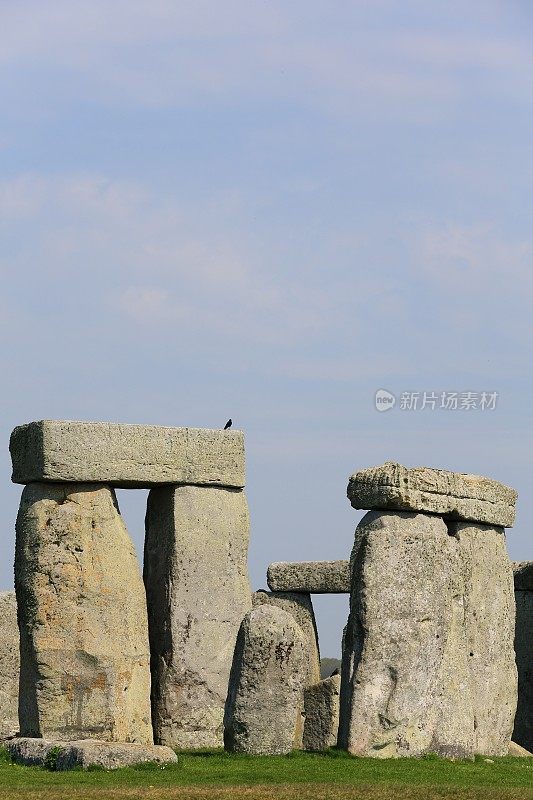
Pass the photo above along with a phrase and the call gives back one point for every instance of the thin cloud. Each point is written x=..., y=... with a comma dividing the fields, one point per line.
x=164, y=54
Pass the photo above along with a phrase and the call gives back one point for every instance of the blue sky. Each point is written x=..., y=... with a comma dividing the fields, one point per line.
x=269, y=210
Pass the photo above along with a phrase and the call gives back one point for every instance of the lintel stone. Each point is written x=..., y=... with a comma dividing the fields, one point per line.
x=126, y=456
x=314, y=577
x=452, y=495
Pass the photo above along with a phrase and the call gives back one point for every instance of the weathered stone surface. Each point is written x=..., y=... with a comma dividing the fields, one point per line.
x=405, y=674
x=9, y=665
x=126, y=455
x=517, y=751
x=196, y=577
x=321, y=707
x=82, y=616
x=523, y=724
x=523, y=576
x=428, y=661
x=315, y=577
x=489, y=619
x=265, y=699
x=86, y=753
x=453, y=495
x=300, y=606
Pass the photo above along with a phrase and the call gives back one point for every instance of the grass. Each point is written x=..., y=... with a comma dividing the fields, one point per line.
x=210, y=775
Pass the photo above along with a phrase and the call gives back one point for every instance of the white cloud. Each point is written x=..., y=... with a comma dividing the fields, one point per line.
x=145, y=256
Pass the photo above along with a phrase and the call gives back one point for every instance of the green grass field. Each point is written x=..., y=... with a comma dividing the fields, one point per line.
x=300, y=776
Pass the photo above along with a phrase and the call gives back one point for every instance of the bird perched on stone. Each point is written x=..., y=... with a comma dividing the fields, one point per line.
x=228, y=424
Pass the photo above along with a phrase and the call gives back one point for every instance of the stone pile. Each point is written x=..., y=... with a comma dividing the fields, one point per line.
x=89, y=629
x=428, y=661
x=311, y=722
x=315, y=726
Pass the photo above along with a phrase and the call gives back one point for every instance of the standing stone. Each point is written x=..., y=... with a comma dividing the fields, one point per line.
x=523, y=576
x=523, y=724
x=9, y=665
x=405, y=673
x=489, y=606
x=523, y=643
x=299, y=605
x=321, y=707
x=265, y=699
x=196, y=577
x=82, y=618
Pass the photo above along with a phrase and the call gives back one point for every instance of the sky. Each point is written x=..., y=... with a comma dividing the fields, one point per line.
x=269, y=211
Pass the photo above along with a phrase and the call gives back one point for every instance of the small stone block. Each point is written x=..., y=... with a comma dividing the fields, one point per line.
x=321, y=707
x=313, y=577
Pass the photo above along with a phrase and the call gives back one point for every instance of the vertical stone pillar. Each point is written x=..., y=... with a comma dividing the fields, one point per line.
x=82, y=618
x=196, y=577
x=523, y=643
x=9, y=665
x=489, y=624
x=405, y=677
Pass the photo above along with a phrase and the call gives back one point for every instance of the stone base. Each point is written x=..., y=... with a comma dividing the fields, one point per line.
x=86, y=753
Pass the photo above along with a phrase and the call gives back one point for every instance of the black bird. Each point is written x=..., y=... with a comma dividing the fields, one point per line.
x=228, y=425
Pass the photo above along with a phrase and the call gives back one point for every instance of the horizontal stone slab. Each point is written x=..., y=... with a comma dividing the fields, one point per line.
x=523, y=576
x=318, y=577
x=126, y=456
x=86, y=753
x=453, y=495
